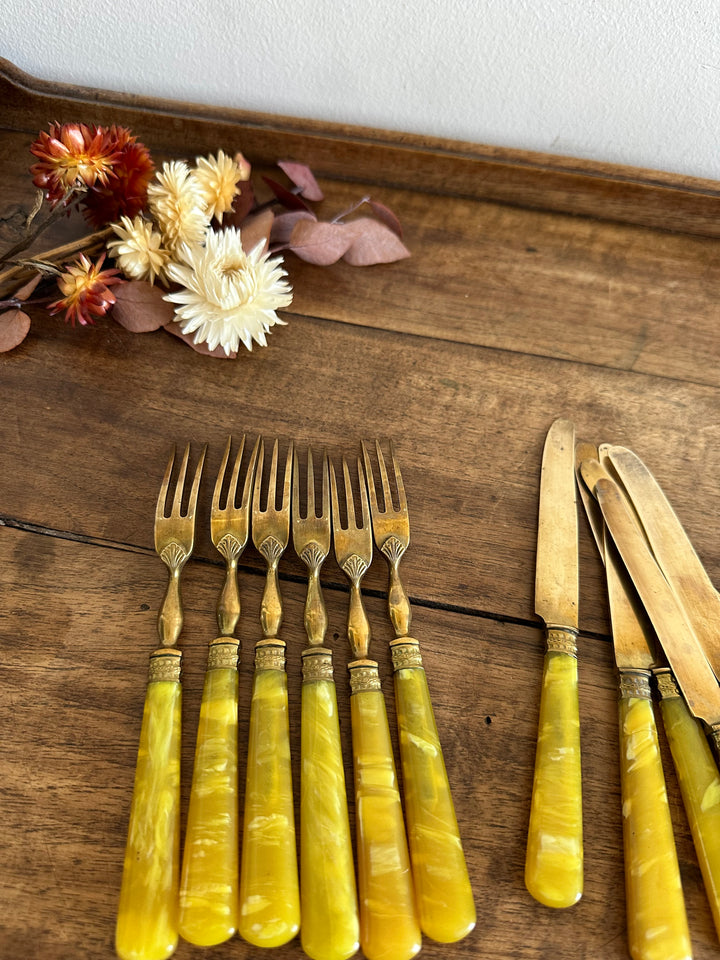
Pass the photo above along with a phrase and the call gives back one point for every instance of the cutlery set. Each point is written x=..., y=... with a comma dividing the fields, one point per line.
x=665, y=615
x=412, y=877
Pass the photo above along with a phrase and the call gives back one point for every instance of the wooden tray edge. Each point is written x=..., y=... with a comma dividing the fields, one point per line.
x=653, y=198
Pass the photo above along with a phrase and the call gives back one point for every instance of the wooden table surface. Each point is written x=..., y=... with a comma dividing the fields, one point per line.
x=537, y=288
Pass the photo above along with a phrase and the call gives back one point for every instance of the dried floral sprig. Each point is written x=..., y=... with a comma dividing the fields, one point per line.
x=196, y=229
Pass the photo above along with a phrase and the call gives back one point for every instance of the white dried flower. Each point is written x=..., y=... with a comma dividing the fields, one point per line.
x=228, y=295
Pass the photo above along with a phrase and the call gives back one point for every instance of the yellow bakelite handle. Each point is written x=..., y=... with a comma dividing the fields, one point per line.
x=389, y=928
x=209, y=879
x=700, y=787
x=656, y=919
x=554, y=862
x=442, y=886
x=269, y=888
x=147, y=923
x=330, y=926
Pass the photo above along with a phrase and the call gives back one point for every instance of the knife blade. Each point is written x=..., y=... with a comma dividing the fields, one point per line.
x=656, y=917
x=673, y=550
x=693, y=760
x=554, y=857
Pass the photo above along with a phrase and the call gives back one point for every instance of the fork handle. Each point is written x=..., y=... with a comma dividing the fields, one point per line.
x=554, y=860
x=656, y=919
x=442, y=885
x=147, y=922
x=389, y=928
x=209, y=877
x=699, y=781
x=269, y=888
x=328, y=904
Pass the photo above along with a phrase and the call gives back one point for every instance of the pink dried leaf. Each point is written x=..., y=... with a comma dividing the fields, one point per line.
x=286, y=197
x=284, y=224
x=320, y=243
x=372, y=242
x=14, y=327
x=242, y=206
x=140, y=308
x=387, y=216
x=302, y=176
x=27, y=288
x=257, y=230
x=176, y=331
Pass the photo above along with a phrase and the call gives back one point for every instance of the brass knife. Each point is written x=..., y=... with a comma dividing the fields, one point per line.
x=673, y=550
x=656, y=917
x=554, y=859
x=696, y=768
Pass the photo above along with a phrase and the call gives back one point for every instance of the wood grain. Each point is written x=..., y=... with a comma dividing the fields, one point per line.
x=536, y=289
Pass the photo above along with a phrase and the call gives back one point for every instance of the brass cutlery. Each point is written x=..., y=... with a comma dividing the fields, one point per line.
x=656, y=917
x=209, y=877
x=554, y=857
x=389, y=925
x=442, y=887
x=269, y=886
x=147, y=922
x=328, y=895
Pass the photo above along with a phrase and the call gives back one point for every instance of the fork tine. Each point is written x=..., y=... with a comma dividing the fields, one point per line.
x=221, y=476
x=162, y=495
x=177, y=499
x=402, y=499
x=364, y=506
x=192, y=504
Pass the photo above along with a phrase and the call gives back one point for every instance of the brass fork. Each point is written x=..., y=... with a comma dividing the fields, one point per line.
x=328, y=896
x=147, y=923
x=209, y=878
x=269, y=888
x=444, y=896
x=388, y=918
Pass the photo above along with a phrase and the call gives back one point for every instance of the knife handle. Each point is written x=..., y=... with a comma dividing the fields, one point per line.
x=656, y=918
x=328, y=895
x=147, y=922
x=554, y=861
x=389, y=928
x=209, y=877
x=269, y=889
x=697, y=775
x=442, y=885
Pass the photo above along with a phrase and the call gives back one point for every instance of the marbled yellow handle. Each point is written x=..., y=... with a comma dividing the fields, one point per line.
x=209, y=878
x=389, y=928
x=269, y=888
x=700, y=787
x=330, y=926
x=147, y=923
x=657, y=923
x=554, y=862
x=442, y=886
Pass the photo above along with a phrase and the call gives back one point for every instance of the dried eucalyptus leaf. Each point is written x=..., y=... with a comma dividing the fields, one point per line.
x=302, y=176
x=372, y=242
x=286, y=197
x=14, y=327
x=284, y=224
x=27, y=288
x=387, y=216
x=257, y=230
x=140, y=308
x=320, y=243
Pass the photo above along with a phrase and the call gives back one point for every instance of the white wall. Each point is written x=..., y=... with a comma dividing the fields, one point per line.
x=626, y=81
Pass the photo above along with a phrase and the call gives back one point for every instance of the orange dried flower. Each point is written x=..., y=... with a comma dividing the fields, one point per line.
x=125, y=193
x=85, y=294
x=72, y=155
